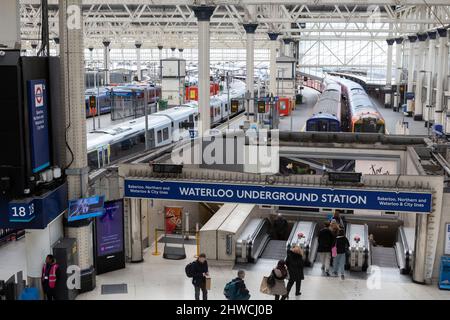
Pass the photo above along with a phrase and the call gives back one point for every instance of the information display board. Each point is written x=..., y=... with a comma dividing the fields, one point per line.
x=447, y=239
x=86, y=208
x=109, y=238
x=39, y=126
x=109, y=229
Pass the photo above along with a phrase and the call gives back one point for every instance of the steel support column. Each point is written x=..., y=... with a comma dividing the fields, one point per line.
x=138, y=45
x=250, y=29
x=398, y=71
x=418, y=110
x=411, y=66
x=106, y=60
x=441, y=75
x=273, y=36
x=388, y=97
x=428, y=114
x=203, y=14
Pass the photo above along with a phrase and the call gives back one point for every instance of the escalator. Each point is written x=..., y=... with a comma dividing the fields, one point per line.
x=305, y=235
x=360, y=255
x=400, y=255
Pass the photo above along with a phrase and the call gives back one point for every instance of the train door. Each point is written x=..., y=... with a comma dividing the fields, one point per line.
x=151, y=137
x=103, y=154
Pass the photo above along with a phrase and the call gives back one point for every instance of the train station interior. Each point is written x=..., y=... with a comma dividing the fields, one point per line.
x=284, y=142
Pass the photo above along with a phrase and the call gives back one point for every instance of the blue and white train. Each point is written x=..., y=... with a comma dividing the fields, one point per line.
x=107, y=146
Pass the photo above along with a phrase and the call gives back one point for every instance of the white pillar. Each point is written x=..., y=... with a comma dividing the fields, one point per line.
x=411, y=66
x=203, y=14
x=250, y=29
x=387, y=97
x=160, y=51
x=10, y=36
x=428, y=112
x=106, y=60
x=398, y=71
x=420, y=73
x=138, y=45
x=72, y=55
x=273, y=62
x=441, y=75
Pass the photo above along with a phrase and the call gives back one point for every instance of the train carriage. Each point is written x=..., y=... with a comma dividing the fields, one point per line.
x=327, y=111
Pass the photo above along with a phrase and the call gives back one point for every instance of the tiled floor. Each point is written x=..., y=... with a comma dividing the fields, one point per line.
x=12, y=259
x=161, y=279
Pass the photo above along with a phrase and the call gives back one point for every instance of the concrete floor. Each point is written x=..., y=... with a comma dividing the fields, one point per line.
x=160, y=279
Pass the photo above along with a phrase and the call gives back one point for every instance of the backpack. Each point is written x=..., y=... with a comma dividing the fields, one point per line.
x=189, y=269
x=230, y=290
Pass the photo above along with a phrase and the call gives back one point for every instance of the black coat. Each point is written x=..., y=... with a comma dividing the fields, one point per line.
x=294, y=263
x=342, y=244
x=199, y=269
x=326, y=240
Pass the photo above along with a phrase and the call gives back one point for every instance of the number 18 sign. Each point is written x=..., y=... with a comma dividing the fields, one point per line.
x=21, y=212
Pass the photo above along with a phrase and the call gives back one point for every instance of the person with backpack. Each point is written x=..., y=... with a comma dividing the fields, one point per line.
x=294, y=263
x=198, y=271
x=342, y=246
x=236, y=289
x=276, y=281
x=325, y=240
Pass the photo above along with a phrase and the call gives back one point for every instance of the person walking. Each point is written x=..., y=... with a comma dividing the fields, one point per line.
x=339, y=219
x=199, y=271
x=280, y=228
x=325, y=243
x=342, y=245
x=279, y=273
x=236, y=288
x=50, y=277
x=294, y=263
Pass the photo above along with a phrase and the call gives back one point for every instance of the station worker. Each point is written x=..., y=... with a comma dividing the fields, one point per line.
x=325, y=240
x=294, y=263
x=50, y=276
x=200, y=272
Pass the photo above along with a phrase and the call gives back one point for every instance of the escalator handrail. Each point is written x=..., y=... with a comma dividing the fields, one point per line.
x=404, y=241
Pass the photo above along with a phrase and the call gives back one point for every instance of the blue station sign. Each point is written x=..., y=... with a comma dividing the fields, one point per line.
x=416, y=202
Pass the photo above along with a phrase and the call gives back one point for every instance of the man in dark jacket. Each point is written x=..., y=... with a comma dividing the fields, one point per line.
x=294, y=263
x=280, y=228
x=241, y=291
x=325, y=240
x=200, y=273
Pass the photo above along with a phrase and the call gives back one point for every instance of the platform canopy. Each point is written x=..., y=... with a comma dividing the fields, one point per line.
x=173, y=23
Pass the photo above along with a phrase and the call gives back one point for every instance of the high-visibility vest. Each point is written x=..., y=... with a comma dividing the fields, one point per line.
x=51, y=275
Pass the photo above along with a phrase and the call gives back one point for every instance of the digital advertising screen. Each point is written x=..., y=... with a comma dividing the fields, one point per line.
x=86, y=208
x=109, y=229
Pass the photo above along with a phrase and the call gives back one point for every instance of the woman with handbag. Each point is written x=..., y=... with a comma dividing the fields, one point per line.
x=294, y=263
x=340, y=251
x=276, y=281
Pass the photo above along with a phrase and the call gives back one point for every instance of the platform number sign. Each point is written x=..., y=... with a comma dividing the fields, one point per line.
x=21, y=212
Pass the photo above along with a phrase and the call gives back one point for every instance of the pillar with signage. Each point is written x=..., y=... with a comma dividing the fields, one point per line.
x=411, y=67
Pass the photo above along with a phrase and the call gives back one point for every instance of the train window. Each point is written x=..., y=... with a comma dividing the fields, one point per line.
x=93, y=160
x=226, y=107
x=160, y=139
x=166, y=134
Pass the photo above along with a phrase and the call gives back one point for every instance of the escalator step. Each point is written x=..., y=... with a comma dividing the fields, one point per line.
x=384, y=257
x=275, y=249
